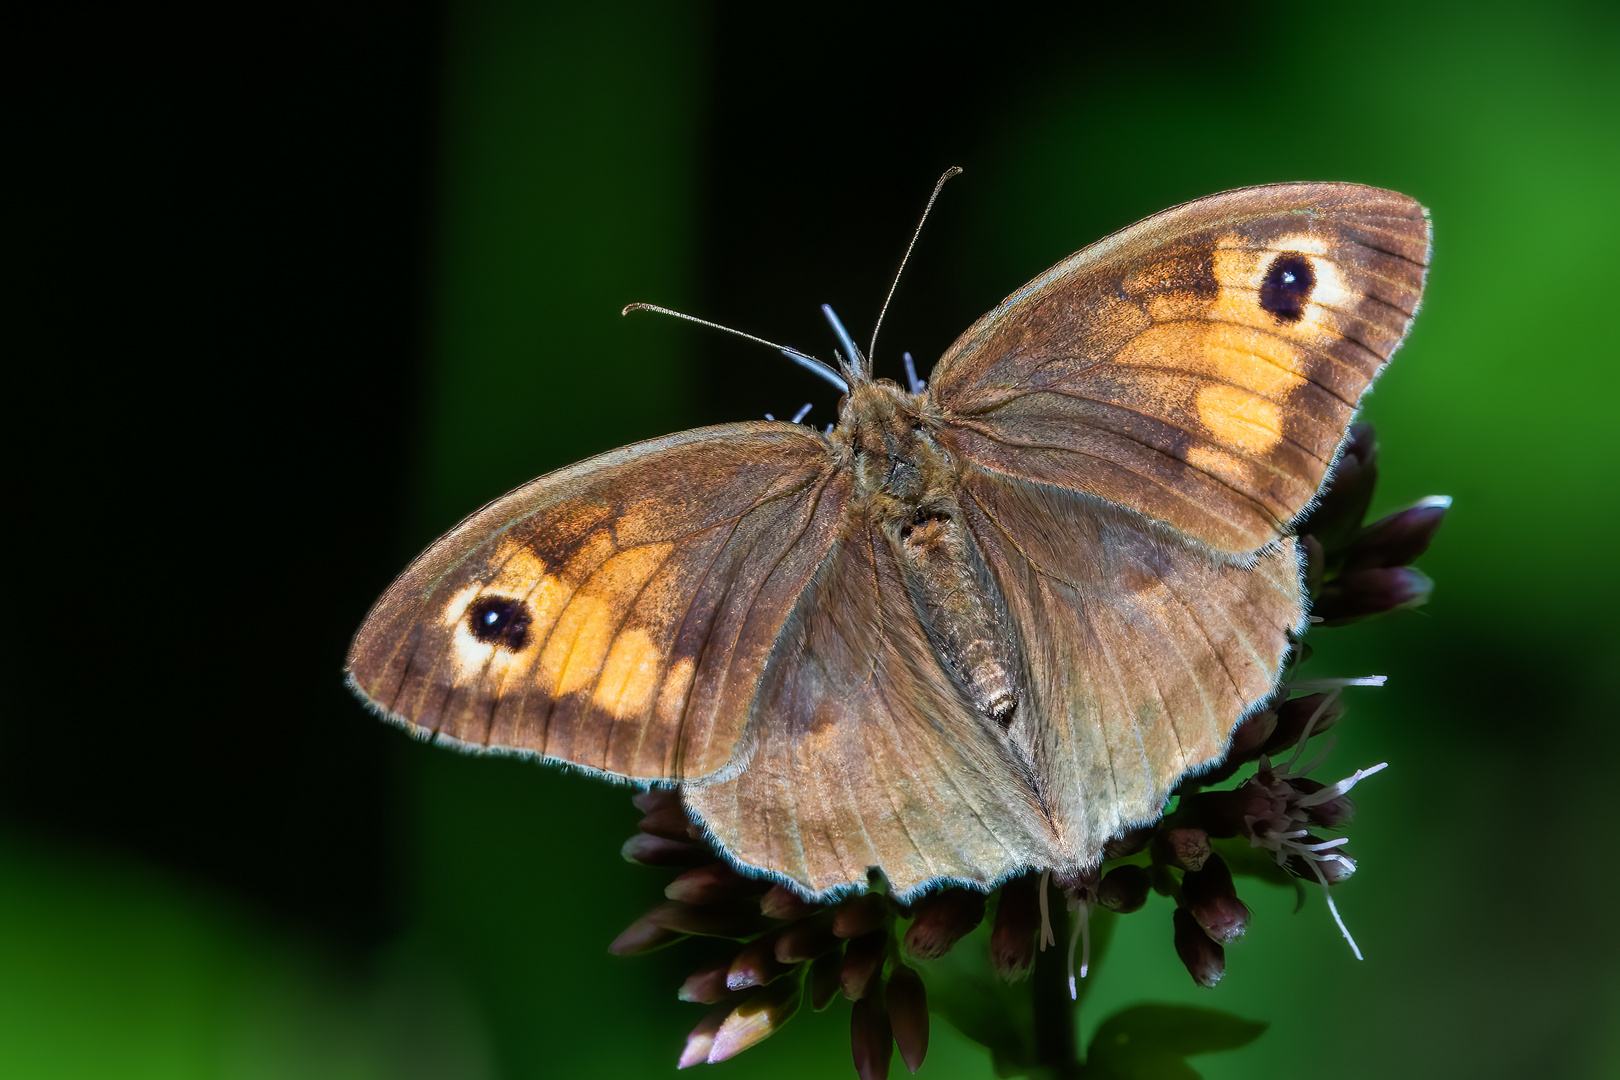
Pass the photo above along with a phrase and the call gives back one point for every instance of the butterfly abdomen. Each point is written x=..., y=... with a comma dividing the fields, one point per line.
x=908, y=481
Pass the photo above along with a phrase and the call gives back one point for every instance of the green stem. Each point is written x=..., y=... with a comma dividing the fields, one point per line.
x=1057, y=1015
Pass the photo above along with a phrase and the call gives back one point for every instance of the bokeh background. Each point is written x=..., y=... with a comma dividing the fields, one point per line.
x=298, y=285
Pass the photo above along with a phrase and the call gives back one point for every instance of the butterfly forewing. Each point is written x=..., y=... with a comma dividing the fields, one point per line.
x=617, y=614
x=1200, y=367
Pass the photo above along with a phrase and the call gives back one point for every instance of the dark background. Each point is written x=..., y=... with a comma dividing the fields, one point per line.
x=299, y=286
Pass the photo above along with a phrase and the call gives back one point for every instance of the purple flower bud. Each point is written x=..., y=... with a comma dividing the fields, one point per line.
x=1209, y=895
x=907, y=1004
x=1344, y=501
x=1227, y=813
x=1331, y=861
x=1251, y=735
x=1129, y=842
x=1183, y=848
x=1018, y=919
x=941, y=919
x=738, y=920
x=706, y=985
x=642, y=936
x=805, y=940
x=1293, y=715
x=1205, y=960
x=1328, y=813
x=1124, y=889
x=709, y=884
x=669, y=820
x=650, y=850
x=826, y=977
x=1372, y=591
x=755, y=1017
x=781, y=902
x=658, y=800
x=1315, y=558
x=1398, y=539
x=871, y=1039
x=756, y=965
x=860, y=915
x=863, y=963
x=701, y=1040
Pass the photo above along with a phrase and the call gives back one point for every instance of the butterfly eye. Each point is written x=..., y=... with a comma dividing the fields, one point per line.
x=1287, y=286
x=500, y=621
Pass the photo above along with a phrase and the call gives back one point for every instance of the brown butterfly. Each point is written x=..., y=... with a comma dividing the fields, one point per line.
x=975, y=628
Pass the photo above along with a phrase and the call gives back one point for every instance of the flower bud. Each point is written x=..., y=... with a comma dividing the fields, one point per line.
x=863, y=963
x=1372, y=591
x=709, y=884
x=1227, y=813
x=1204, y=959
x=738, y=920
x=860, y=915
x=643, y=935
x=1335, y=866
x=1398, y=539
x=1212, y=899
x=650, y=850
x=871, y=1039
x=1293, y=715
x=907, y=1005
x=756, y=965
x=1339, y=511
x=825, y=972
x=655, y=799
x=701, y=1040
x=1018, y=920
x=805, y=940
x=1314, y=556
x=1185, y=849
x=1247, y=742
x=781, y=902
x=669, y=820
x=1129, y=842
x=706, y=985
x=1124, y=889
x=1328, y=813
x=941, y=919
x=755, y=1017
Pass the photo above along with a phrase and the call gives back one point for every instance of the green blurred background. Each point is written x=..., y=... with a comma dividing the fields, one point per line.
x=304, y=284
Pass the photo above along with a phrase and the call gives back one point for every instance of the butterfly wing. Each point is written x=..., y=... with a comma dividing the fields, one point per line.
x=616, y=614
x=1141, y=649
x=1200, y=367
x=866, y=754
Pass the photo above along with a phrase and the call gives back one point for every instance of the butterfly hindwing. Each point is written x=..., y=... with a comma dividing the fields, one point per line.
x=1141, y=650
x=616, y=614
x=867, y=754
x=1200, y=367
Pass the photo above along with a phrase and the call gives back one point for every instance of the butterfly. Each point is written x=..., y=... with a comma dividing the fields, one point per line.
x=979, y=626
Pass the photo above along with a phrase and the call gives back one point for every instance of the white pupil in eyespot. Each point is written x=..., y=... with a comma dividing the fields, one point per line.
x=1288, y=277
x=491, y=618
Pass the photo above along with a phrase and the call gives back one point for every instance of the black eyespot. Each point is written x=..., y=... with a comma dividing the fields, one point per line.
x=1287, y=287
x=500, y=621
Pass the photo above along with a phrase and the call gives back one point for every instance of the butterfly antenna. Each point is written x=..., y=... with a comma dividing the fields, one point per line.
x=808, y=362
x=895, y=284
